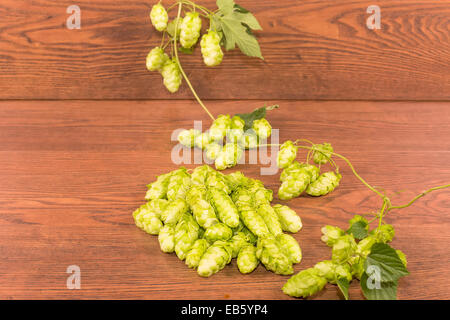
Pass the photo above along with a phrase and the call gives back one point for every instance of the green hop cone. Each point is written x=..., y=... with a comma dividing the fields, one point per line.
x=202, y=140
x=262, y=128
x=174, y=211
x=159, y=17
x=201, y=208
x=200, y=173
x=331, y=234
x=152, y=224
x=179, y=184
x=229, y=156
x=237, y=123
x=288, y=218
x=236, y=130
x=171, y=75
x=225, y=208
x=186, y=232
x=324, y=152
x=304, y=284
x=260, y=194
x=294, y=185
x=365, y=245
x=343, y=249
x=156, y=59
x=270, y=217
x=342, y=271
x=190, y=29
x=287, y=154
x=219, y=127
x=238, y=241
x=187, y=137
x=326, y=183
x=196, y=253
x=137, y=217
x=213, y=150
x=157, y=206
x=210, y=47
x=158, y=189
x=166, y=239
x=295, y=167
x=249, y=140
x=216, y=257
x=383, y=234
x=357, y=267
x=236, y=179
x=313, y=171
x=219, y=231
x=250, y=237
x=247, y=260
x=242, y=198
x=331, y=271
x=217, y=180
x=290, y=247
x=269, y=252
x=252, y=220
x=147, y=219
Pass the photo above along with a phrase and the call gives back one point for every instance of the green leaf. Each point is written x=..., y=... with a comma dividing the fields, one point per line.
x=236, y=24
x=343, y=285
x=256, y=114
x=186, y=50
x=238, y=8
x=225, y=6
x=358, y=230
x=386, y=290
x=171, y=27
x=386, y=259
x=247, y=19
x=233, y=29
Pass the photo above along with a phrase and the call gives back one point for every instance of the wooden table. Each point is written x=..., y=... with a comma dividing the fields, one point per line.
x=72, y=172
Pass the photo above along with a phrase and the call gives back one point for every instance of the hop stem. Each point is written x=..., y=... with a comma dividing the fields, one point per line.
x=386, y=207
x=180, y=5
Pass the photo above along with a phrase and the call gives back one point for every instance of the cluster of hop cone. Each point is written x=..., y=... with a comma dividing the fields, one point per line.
x=188, y=33
x=230, y=129
x=208, y=218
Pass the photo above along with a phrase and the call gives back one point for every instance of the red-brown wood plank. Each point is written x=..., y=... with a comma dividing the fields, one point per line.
x=312, y=49
x=72, y=172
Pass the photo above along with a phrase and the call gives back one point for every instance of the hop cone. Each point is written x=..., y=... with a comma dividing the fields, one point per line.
x=159, y=17
x=156, y=59
x=190, y=29
x=304, y=284
x=171, y=75
x=210, y=47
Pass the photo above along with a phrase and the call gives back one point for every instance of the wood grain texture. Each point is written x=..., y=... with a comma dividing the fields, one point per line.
x=72, y=172
x=312, y=49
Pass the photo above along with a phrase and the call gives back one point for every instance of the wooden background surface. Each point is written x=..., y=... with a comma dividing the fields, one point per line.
x=73, y=165
x=73, y=172
x=316, y=49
